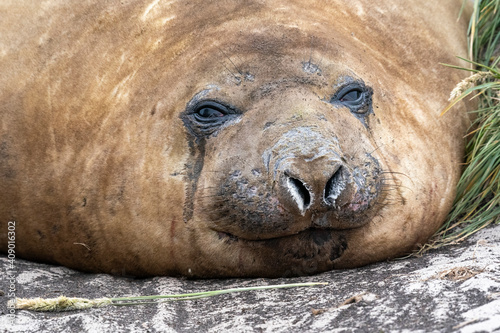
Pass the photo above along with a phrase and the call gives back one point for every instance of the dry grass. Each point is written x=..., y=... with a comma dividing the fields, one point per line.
x=458, y=273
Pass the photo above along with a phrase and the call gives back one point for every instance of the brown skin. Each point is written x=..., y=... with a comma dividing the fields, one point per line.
x=103, y=168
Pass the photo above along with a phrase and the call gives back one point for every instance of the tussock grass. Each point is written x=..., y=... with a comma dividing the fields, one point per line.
x=477, y=203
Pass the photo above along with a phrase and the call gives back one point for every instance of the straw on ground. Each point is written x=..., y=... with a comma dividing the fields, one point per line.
x=63, y=303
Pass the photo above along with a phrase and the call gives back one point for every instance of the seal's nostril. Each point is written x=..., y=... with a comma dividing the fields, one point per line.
x=299, y=193
x=334, y=186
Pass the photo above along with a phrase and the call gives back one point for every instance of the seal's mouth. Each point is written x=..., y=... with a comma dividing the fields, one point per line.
x=313, y=232
x=319, y=225
x=310, y=251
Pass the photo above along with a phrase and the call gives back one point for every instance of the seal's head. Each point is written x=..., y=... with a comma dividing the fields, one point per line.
x=250, y=139
x=309, y=154
x=283, y=175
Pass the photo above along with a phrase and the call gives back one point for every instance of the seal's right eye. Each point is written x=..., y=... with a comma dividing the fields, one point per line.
x=204, y=118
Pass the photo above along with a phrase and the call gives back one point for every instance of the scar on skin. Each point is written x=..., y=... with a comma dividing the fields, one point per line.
x=83, y=244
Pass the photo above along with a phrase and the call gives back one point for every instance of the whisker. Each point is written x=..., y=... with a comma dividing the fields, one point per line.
x=397, y=173
x=228, y=58
x=378, y=147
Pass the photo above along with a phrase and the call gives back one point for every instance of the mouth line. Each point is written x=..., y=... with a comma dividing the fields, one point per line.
x=232, y=237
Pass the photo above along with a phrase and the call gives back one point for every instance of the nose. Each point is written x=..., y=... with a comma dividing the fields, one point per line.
x=300, y=194
x=304, y=189
x=334, y=187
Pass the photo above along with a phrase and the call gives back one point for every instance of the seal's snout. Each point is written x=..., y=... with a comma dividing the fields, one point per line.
x=304, y=180
x=310, y=169
x=303, y=193
x=317, y=183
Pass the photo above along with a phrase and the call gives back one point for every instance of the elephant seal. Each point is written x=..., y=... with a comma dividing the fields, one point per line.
x=227, y=139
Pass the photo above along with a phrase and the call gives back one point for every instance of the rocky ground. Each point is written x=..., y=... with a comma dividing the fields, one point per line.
x=455, y=289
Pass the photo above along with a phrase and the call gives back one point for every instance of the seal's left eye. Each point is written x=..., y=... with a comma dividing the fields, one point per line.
x=210, y=111
x=352, y=97
x=356, y=96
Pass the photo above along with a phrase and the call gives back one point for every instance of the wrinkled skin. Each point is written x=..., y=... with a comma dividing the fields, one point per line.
x=227, y=138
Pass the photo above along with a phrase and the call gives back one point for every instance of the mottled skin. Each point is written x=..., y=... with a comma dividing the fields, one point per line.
x=104, y=165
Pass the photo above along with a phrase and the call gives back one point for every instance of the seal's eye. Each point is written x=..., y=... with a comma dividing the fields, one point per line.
x=210, y=111
x=352, y=97
x=206, y=117
x=356, y=96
